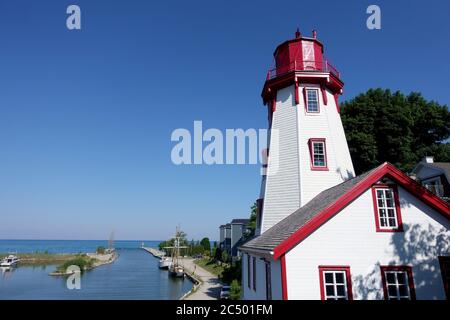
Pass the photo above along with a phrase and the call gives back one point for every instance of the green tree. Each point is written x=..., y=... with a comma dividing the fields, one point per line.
x=218, y=254
x=171, y=242
x=225, y=256
x=384, y=126
x=253, y=216
x=206, y=244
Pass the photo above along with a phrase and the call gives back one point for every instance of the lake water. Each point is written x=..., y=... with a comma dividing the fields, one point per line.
x=134, y=275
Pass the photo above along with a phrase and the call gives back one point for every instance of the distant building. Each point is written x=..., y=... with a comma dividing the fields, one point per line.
x=232, y=235
x=435, y=176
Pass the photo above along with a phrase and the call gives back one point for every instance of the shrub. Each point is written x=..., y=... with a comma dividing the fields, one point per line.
x=83, y=262
x=101, y=250
x=235, y=290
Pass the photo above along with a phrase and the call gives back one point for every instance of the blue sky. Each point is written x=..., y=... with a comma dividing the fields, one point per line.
x=86, y=116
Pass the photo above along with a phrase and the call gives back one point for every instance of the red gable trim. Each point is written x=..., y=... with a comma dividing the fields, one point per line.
x=386, y=169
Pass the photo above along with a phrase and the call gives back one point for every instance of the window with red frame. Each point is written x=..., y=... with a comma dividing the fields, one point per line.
x=335, y=283
x=397, y=283
x=312, y=101
x=318, y=150
x=445, y=271
x=387, y=208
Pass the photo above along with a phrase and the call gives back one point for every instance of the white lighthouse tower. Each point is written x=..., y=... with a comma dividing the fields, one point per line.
x=307, y=151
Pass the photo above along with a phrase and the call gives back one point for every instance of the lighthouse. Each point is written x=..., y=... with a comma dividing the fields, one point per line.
x=307, y=148
x=323, y=233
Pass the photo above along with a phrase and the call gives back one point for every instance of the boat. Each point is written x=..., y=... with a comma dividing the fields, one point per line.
x=10, y=261
x=165, y=263
x=176, y=269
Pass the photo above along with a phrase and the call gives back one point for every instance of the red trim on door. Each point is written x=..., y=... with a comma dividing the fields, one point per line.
x=397, y=208
x=445, y=277
x=408, y=269
x=283, y=277
x=311, y=154
x=348, y=279
x=386, y=169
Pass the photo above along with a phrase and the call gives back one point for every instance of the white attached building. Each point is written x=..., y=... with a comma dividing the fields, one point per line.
x=323, y=233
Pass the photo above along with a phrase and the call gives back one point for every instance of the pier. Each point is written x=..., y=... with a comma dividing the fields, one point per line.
x=154, y=252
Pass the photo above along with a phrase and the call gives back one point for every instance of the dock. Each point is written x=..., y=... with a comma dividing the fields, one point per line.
x=206, y=285
x=154, y=252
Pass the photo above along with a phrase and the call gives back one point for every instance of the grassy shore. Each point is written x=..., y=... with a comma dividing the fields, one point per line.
x=42, y=258
x=210, y=266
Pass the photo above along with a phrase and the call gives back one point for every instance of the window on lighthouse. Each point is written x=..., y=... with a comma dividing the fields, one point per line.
x=318, y=154
x=312, y=101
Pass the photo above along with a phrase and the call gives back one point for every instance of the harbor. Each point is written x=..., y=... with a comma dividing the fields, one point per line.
x=133, y=275
x=206, y=286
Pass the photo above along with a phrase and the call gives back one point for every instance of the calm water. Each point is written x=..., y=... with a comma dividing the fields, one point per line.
x=134, y=275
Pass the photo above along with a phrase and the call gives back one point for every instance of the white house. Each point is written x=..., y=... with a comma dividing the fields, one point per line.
x=323, y=233
x=435, y=176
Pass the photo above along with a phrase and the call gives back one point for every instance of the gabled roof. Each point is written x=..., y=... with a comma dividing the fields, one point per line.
x=294, y=228
x=240, y=221
x=444, y=166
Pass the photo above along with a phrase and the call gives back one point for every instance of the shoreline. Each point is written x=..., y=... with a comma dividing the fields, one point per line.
x=46, y=259
x=98, y=261
x=31, y=259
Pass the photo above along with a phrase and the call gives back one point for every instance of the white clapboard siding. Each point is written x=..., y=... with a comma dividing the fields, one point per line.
x=350, y=239
x=282, y=193
x=260, y=293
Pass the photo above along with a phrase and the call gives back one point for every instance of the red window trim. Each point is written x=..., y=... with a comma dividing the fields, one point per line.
x=397, y=208
x=408, y=269
x=305, y=92
x=336, y=268
x=311, y=154
x=442, y=260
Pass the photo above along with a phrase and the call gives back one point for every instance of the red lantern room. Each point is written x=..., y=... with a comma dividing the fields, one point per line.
x=301, y=60
x=299, y=54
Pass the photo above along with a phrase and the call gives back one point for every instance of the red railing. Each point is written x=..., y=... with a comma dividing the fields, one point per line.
x=305, y=65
